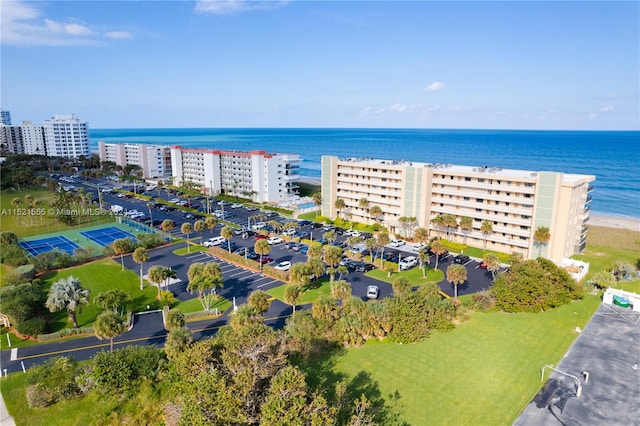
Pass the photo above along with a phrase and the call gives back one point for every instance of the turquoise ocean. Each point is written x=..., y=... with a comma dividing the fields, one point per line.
x=612, y=156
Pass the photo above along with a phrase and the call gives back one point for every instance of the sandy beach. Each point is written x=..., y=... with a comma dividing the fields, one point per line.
x=610, y=221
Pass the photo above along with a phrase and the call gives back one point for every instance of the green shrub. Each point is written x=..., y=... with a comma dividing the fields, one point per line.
x=65, y=333
x=485, y=300
x=150, y=240
x=27, y=271
x=454, y=247
x=53, y=381
x=13, y=278
x=12, y=255
x=122, y=370
x=32, y=327
x=20, y=302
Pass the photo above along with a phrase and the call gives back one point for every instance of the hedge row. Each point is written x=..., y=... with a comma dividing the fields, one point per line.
x=65, y=333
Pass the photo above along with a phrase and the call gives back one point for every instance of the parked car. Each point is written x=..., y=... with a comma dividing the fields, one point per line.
x=408, y=262
x=251, y=208
x=166, y=208
x=372, y=292
x=215, y=241
x=283, y=266
x=275, y=240
x=364, y=267
x=236, y=205
x=304, y=222
x=259, y=225
x=290, y=232
x=461, y=258
x=303, y=235
x=261, y=237
x=304, y=249
x=397, y=243
x=265, y=260
x=419, y=246
x=482, y=265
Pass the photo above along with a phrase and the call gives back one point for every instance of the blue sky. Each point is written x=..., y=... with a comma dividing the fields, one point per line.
x=420, y=64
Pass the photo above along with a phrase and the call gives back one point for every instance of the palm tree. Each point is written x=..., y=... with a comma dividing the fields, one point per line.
x=325, y=308
x=492, y=262
x=466, y=225
x=315, y=266
x=363, y=203
x=156, y=276
x=167, y=274
x=292, y=294
x=28, y=200
x=330, y=236
x=211, y=222
x=15, y=202
x=421, y=235
x=314, y=251
x=340, y=205
x=259, y=299
x=199, y=226
x=111, y=299
x=456, y=274
x=121, y=247
x=383, y=239
x=261, y=247
x=141, y=255
x=438, y=222
x=401, y=286
x=67, y=293
x=438, y=249
x=168, y=225
x=541, y=237
x=108, y=325
x=340, y=290
x=376, y=213
x=203, y=278
x=486, y=228
x=450, y=223
x=187, y=229
x=332, y=256
x=317, y=200
x=423, y=257
x=299, y=273
x=227, y=233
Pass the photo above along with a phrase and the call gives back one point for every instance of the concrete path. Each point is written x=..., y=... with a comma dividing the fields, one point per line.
x=5, y=418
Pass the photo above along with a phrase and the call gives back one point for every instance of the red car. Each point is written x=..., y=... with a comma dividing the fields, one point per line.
x=483, y=265
x=261, y=237
x=265, y=259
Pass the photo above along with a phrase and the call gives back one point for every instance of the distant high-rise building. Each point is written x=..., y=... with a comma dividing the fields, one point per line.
x=26, y=138
x=66, y=136
x=11, y=139
x=5, y=117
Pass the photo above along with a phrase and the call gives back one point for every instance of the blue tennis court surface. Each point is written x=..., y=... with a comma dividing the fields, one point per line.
x=35, y=247
x=105, y=236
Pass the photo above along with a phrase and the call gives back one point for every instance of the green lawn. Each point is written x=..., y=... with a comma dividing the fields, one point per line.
x=194, y=305
x=484, y=372
x=99, y=276
x=311, y=291
x=194, y=248
x=414, y=275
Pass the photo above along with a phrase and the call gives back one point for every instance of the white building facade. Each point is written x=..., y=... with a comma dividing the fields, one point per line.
x=258, y=175
x=66, y=136
x=26, y=138
x=153, y=160
x=514, y=202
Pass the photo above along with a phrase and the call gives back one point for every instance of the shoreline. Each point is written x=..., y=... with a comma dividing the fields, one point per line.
x=595, y=219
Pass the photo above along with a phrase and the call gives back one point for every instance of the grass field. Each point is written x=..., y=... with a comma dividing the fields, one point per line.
x=311, y=291
x=414, y=275
x=194, y=305
x=99, y=276
x=482, y=373
x=25, y=226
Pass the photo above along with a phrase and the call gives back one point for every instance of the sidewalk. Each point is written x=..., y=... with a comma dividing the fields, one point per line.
x=5, y=418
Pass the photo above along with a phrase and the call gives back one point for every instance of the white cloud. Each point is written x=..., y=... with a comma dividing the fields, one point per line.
x=120, y=35
x=607, y=108
x=398, y=108
x=592, y=116
x=23, y=24
x=436, y=85
x=234, y=7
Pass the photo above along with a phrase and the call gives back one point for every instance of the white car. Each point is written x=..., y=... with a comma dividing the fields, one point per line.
x=258, y=226
x=408, y=262
x=352, y=233
x=275, y=240
x=290, y=232
x=419, y=246
x=397, y=243
x=283, y=266
x=182, y=203
x=215, y=241
x=236, y=205
x=372, y=292
x=174, y=200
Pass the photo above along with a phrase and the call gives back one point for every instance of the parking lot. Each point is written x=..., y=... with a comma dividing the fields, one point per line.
x=478, y=279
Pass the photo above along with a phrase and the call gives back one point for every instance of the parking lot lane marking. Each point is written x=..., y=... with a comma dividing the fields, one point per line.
x=14, y=354
x=242, y=272
x=266, y=284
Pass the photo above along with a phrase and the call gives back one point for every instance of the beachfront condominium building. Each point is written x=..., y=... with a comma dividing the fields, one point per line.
x=66, y=136
x=5, y=117
x=154, y=160
x=26, y=138
x=258, y=175
x=511, y=204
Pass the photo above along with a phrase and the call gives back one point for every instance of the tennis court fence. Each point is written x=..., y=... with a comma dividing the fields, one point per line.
x=143, y=227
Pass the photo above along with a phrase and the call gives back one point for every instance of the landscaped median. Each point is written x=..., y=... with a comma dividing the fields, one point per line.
x=414, y=275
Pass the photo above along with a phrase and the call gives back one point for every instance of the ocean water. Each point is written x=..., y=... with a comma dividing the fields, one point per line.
x=612, y=156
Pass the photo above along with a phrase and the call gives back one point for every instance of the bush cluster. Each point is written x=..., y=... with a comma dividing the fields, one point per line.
x=32, y=327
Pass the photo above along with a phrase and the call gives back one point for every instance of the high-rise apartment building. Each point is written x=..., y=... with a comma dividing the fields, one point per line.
x=153, y=160
x=66, y=136
x=514, y=202
x=261, y=176
x=26, y=138
x=5, y=117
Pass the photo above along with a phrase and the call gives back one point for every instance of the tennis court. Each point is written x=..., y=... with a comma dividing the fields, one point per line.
x=43, y=245
x=105, y=236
